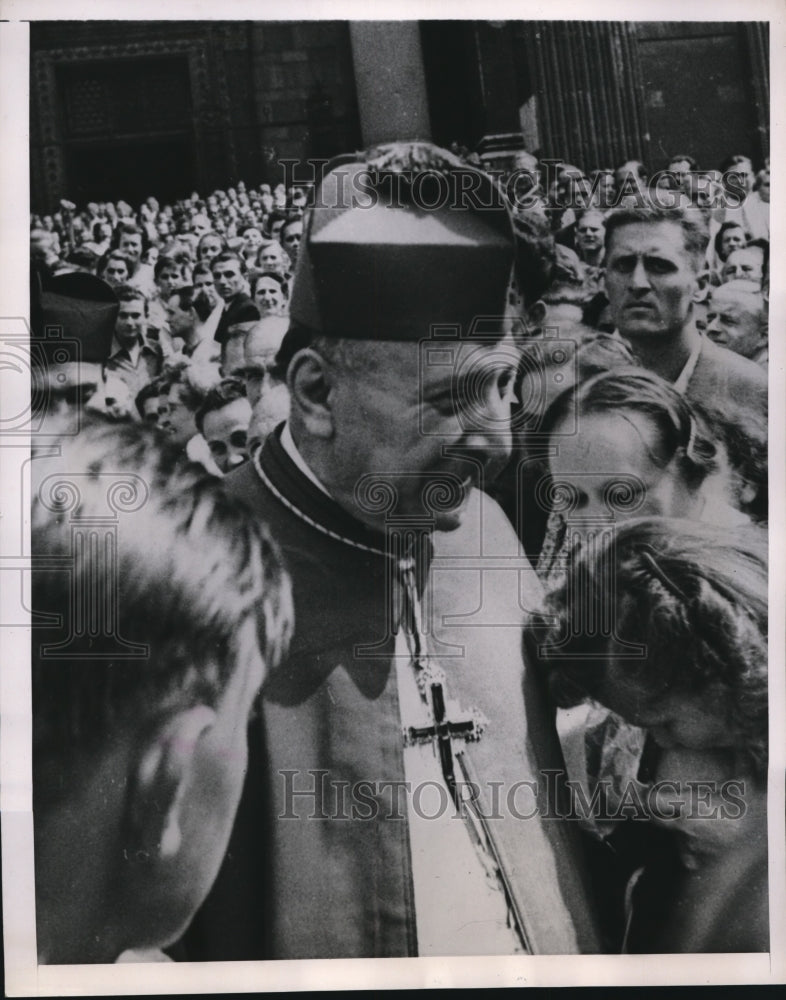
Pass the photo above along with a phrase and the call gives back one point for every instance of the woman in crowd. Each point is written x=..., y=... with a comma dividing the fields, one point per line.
x=627, y=444
x=270, y=291
x=685, y=658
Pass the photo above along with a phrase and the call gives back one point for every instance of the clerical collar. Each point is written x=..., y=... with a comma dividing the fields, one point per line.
x=289, y=446
x=297, y=489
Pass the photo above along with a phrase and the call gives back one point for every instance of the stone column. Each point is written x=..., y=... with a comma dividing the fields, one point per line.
x=390, y=81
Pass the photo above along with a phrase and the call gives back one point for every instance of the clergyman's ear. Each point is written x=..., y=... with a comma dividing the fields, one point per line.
x=310, y=380
x=161, y=780
x=536, y=313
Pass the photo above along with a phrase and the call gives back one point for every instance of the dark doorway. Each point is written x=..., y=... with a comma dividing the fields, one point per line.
x=127, y=129
x=131, y=170
x=697, y=91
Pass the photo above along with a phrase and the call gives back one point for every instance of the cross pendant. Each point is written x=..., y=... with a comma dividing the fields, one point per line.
x=444, y=731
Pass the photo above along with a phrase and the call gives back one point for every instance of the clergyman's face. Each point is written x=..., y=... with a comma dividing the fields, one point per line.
x=398, y=419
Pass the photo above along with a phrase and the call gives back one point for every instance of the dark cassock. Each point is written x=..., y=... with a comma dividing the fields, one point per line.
x=400, y=797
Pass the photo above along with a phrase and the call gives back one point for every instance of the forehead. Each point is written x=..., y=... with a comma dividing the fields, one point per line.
x=221, y=423
x=228, y=267
x=131, y=238
x=734, y=300
x=132, y=306
x=747, y=255
x=662, y=237
x=614, y=438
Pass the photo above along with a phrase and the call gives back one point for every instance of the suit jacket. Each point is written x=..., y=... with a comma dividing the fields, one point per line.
x=240, y=309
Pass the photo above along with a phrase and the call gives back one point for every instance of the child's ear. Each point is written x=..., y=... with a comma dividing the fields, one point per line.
x=161, y=779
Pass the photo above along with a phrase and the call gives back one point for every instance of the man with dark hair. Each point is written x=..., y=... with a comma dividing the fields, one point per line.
x=290, y=236
x=134, y=242
x=193, y=341
x=146, y=402
x=139, y=735
x=183, y=389
x=653, y=259
x=223, y=419
x=400, y=408
x=115, y=268
x=134, y=356
x=683, y=166
x=240, y=310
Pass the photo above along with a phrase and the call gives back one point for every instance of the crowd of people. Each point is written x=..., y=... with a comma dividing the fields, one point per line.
x=331, y=479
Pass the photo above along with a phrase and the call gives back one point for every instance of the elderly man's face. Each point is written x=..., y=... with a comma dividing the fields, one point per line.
x=650, y=279
x=747, y=264
x=428, y=423
x=735, y=318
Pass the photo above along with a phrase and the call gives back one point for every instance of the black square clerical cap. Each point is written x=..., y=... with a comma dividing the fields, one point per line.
x=399, y=240
x=74, y=307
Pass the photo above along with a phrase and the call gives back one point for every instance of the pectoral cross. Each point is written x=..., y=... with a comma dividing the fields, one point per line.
x=444, y=732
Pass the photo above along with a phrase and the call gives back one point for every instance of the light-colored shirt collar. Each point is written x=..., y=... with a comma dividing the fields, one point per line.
x=132, y=351
x=289, y=446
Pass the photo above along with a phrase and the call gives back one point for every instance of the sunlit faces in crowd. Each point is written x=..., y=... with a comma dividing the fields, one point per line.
x=737, y=317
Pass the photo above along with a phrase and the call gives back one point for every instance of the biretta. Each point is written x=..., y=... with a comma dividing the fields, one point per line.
x=398, y=240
